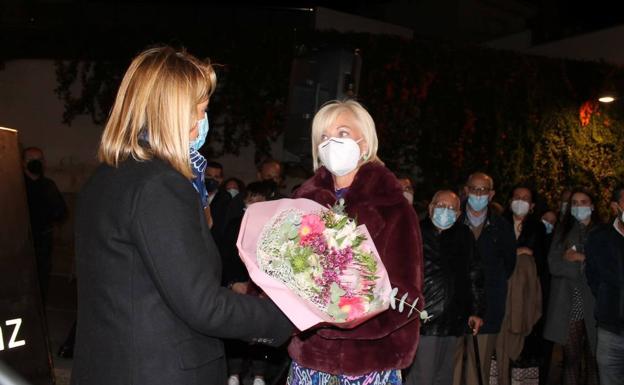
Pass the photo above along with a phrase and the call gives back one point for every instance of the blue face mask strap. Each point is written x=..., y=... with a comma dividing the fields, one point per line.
x=203, y=127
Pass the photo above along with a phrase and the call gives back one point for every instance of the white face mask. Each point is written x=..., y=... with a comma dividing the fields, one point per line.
x=339, y=155
x=520, y=207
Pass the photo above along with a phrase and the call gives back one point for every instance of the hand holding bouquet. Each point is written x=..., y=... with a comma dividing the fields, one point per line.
x=315, y=263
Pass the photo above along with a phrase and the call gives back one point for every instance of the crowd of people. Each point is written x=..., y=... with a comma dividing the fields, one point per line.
x=161, y=286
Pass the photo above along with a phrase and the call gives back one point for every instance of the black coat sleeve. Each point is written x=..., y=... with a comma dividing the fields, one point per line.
x=509, y=246
x=475, y=271
x=175, y=244
x=233, y=267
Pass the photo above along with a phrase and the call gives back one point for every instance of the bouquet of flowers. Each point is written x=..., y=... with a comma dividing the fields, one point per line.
x=314, y=262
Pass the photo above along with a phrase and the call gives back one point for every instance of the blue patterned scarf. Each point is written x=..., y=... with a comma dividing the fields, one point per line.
x=198, y=164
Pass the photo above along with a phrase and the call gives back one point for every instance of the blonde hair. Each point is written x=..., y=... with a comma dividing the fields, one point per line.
x=158, y=95
x=328, y=114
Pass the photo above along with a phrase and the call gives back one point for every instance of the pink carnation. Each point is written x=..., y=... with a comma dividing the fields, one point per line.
x=311, y=224
x=353, y=306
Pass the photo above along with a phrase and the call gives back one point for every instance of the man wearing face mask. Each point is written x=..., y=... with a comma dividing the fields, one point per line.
x=272, y=170
x=496, y=244
x=46, y=207
x=605, y=275
x=453, y=290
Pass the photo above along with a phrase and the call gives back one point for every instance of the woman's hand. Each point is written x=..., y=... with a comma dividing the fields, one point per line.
x=240, y=287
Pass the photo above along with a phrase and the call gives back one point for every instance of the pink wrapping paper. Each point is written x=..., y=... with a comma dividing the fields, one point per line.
x=302, y=313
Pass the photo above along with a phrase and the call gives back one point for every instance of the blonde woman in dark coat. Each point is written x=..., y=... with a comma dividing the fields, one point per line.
x=151, y=309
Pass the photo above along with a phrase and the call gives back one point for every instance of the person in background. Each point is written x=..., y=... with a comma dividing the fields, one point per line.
x=151, y=307
x=238, y=353
x=570, y=314
x=453, y=290
x=564, y=202
x=496, y=244
x=530, y=240
x=271, y=169
x=234, y=186
x=218, y=199
x=549, y=219
x=344, y=152
x=604, y=269
x=408, y=188
x=46, y=208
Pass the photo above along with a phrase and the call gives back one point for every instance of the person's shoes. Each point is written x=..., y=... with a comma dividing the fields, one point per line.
x=259, y=381
x=233, y=380
x=66, y=351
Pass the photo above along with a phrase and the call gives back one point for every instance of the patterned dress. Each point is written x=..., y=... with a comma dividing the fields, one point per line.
x=299, y=375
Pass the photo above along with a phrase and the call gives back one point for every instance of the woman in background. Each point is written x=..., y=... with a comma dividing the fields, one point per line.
x=570, y=317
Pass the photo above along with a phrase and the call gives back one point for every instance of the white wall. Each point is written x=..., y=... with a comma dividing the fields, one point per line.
x=28, y=104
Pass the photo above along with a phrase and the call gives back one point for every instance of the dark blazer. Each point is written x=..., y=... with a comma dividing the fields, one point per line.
x=497, y=250
x=453, y=285
x=218, y=211
x=233, y=267
x=150, y=306
x=604, y=268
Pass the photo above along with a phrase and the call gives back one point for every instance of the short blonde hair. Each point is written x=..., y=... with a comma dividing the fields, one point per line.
x=158, y=95
x=328, y=114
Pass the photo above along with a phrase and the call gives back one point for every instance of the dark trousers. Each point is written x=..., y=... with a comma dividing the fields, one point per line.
x=243, y=357
x=610, y=357
x=43, y=254
x=434, y=361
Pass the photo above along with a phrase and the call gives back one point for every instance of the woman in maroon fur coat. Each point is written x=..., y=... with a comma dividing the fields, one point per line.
x=344, y=143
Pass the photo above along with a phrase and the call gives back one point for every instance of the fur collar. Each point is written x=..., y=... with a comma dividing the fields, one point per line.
x=373, y=185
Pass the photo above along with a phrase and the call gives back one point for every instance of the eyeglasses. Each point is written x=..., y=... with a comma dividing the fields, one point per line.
x=479, y=190
x=444, y=206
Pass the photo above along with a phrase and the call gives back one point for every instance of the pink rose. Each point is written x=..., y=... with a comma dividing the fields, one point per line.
x=311, y=224
x=353, y=306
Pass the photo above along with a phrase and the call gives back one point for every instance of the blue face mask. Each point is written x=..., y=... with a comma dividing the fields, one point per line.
x=203, y=127
x=478, y=202
x=549, y=226
x=581, y=213
x=443, y=218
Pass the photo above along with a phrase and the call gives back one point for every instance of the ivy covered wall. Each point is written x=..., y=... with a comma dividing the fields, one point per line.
x=442, y=110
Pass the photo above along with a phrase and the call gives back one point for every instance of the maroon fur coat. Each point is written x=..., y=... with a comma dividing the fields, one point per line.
x=389, y=340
